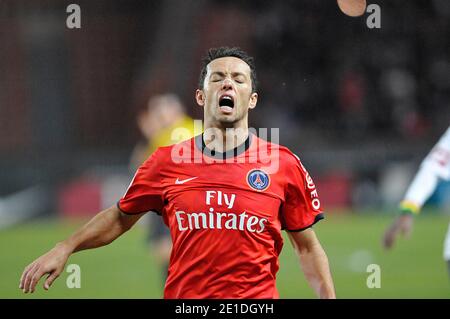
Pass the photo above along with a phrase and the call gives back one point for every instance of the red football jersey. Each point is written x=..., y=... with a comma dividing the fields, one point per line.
x=225, y=212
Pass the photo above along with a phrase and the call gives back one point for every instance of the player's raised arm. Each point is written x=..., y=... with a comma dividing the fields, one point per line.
x=314, y=262
x=101, y=230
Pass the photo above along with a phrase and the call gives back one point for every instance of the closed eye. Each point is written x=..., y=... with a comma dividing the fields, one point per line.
x=217, y=76
x=239, y=78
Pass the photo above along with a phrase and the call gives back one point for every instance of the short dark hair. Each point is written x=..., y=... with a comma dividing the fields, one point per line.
x=222, y=52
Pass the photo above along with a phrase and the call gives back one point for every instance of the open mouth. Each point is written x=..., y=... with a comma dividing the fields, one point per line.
x=226, y=103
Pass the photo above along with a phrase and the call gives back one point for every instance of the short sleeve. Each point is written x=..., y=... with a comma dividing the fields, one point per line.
x=301, y=208
x=145, y=191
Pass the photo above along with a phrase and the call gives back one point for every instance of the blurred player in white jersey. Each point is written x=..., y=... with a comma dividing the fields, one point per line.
x=433, y=169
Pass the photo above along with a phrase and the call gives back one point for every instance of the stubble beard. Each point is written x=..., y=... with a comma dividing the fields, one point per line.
x=226, y=122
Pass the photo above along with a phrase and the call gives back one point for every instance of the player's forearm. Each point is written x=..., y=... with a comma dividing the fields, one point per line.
x=422, y=186
x=316, y=268
x=101, y=230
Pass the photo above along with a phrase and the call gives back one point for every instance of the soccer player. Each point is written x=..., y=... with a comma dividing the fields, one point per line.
x=159, y=122
x=225, y=195
x=434, y=168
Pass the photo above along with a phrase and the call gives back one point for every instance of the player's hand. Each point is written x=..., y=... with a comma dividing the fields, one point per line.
x=403, y=225
x=52, y=263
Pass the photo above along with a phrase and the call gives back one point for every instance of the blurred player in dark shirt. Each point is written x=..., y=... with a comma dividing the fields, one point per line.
x=157, y=123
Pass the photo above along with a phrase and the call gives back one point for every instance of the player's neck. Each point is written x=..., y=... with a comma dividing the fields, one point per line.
x=223, y=139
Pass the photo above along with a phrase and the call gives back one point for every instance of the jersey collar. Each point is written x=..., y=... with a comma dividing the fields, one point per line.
x=200, y=143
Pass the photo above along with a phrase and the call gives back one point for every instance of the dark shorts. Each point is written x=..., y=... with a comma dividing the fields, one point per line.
x=157, y=230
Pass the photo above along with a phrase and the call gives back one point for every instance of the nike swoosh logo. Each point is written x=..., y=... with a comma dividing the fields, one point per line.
x=178, y=182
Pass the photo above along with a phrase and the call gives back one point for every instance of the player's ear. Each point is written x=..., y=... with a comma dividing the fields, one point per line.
x=200, y=97
x=253, y=100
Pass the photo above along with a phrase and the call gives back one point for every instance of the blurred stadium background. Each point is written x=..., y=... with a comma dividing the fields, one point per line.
x=360, y=106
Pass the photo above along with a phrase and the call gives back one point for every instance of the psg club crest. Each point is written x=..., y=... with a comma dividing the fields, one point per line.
x=257, y=179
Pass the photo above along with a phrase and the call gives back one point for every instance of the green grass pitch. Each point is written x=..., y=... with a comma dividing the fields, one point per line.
x=126, y=269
